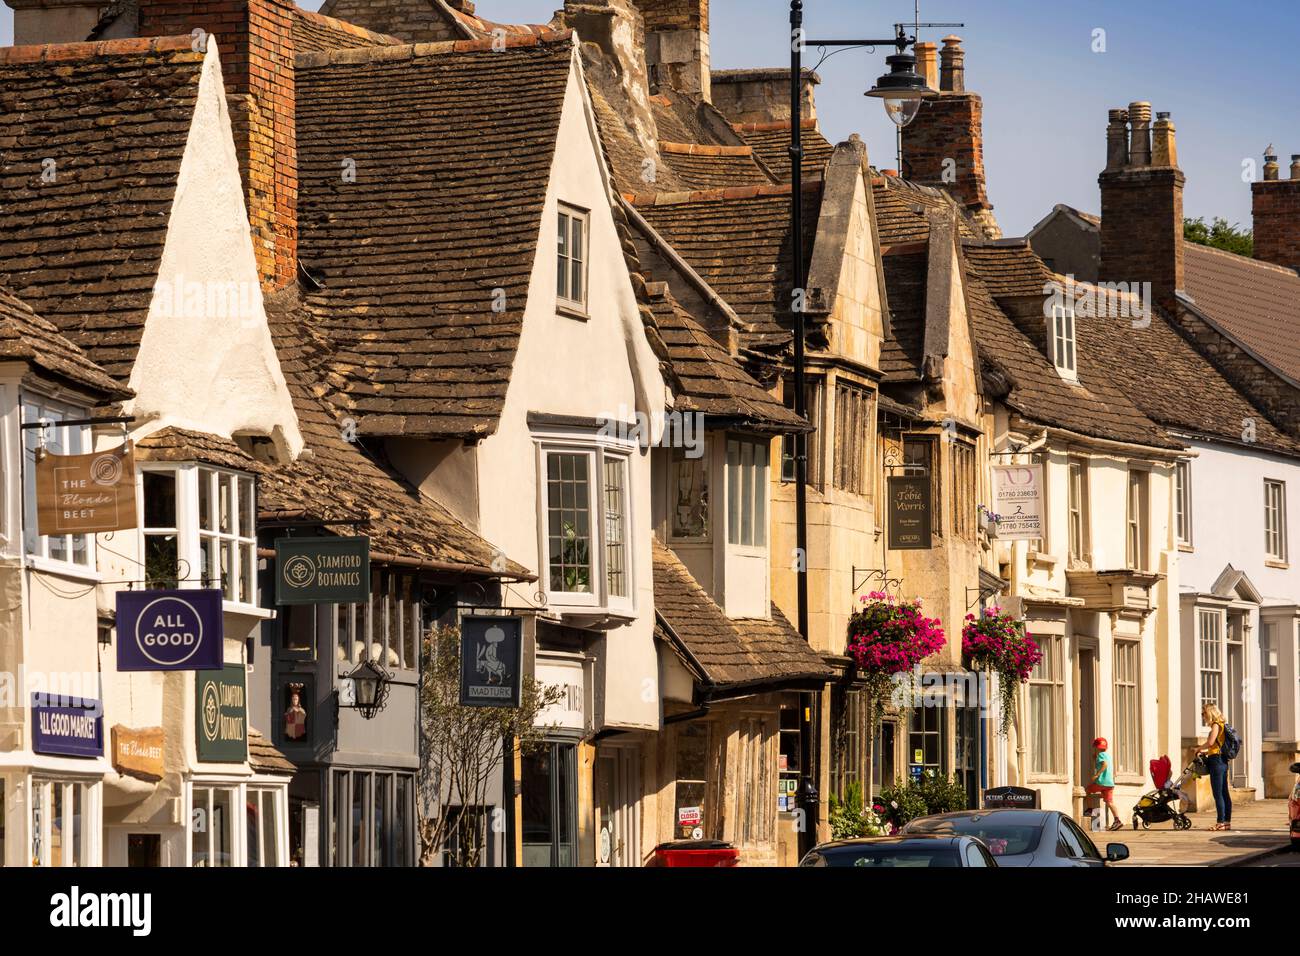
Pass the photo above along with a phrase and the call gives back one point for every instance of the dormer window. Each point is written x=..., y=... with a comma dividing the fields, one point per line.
x=571, y=261
x=1063, y=341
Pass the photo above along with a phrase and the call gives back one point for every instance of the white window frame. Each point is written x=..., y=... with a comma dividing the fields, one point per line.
x=1211, y=652
x=1127, y=667
x=1049, y=678
x=569, y=218
x=191, y=534
x=1270, y=682
x=1136, y=512
x=1275, y=538
x=757, y=503
x=596, y=453
x=1064, y=341
x=36, y=547
x=1183, y=503
x=1077, y=508
x=88, y=849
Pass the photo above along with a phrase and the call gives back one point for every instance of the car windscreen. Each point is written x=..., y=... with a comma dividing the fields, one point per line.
x=889, y=857
x=1002, y=839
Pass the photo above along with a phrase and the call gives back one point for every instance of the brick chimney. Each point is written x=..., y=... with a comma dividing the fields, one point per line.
x=677, y=44
x=1275, y=206
x=1142, y=203
x=944, y=145
x=255, y=41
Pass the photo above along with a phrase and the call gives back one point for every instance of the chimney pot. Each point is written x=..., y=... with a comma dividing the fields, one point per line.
x=1164, y=149
x=1117, y=140
x=1139, y=150
x=927, y=63
x=1295, y=165
x=952, y=72
x=1271, y=167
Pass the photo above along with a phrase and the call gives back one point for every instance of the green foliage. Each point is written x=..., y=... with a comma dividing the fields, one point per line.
x=850, y=819
x=905, y=800
x=1219, y=234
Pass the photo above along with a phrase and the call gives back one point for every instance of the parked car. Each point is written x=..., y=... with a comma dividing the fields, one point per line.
x=1295, y=809
x=918, y=850
x=1022, y=837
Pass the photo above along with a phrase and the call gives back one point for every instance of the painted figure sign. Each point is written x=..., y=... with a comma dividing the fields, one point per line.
x=491, y=659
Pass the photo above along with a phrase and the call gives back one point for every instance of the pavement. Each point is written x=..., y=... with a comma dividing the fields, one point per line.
x=1259, y=832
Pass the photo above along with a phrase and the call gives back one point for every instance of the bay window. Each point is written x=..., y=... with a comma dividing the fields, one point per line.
x=386, y=629
x=65, y=822
x=373, y=819
x=214, y=820
x=747, y=493
x=74, y=550
x=586, y=497
x=199, y=528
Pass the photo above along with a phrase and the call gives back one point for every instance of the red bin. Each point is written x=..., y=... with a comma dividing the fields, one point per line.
x=696, y=853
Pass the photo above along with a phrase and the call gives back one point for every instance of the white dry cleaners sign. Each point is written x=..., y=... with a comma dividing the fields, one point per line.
x=1018, y=500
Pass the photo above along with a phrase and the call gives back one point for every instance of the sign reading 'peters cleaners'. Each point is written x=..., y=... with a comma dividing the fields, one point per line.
x=322, y=570
x=169, y=630
x=909, y=512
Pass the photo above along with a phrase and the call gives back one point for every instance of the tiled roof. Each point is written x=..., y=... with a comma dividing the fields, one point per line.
x=314, y=31
x=711, y=167
x=905, y=287
x=1017, y=373
x=481, y=27
x=771, y=143
x=1009, y=268
x=633, y=166
x=92, y=136
x=708, y=378
x=903, y=207
x=452, y=145
x=738, y=240
x=340, y=480
x=179, y=444
x=731, y=652
x=263, y=756
x=25, y=335
x=1257, y=303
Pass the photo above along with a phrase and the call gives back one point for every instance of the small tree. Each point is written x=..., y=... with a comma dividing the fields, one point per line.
x=461, y=748
x=1219, y=234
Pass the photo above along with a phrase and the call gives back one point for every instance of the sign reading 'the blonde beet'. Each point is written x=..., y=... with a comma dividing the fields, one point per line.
x=80, y=494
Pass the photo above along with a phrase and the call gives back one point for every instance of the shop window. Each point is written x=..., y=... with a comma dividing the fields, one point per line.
x=200, y=530
x=1128, y=713
x=849, y=735
x=63, y=820
x=747, y=493
x=688, y=488
x=298, y=628
x=387, y=628
x=925, y=740
x=469, y=835
x=549, y=794
x=853, y=430
x=1047, y=708
x=812, y=440
x=371, y=824
x=77, y=550
x=884, y=755
x=211, y=826
x=263, y=816
x=787, y=759
x=967, y=748
x=691, y=785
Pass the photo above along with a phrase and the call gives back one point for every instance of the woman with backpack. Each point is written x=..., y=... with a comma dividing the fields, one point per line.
x=1217, y=764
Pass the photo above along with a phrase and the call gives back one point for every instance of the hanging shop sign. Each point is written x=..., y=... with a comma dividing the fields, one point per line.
x=138, y=752
x=491, y=661
x=221, y=715
x=67, y=726
x=329, y=570
x=1020, y=798
x=79, y=494
x=1018, y=501
x=169, y=630
x=909, y=512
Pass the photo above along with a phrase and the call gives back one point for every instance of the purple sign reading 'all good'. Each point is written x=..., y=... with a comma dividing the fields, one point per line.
x=169, y=630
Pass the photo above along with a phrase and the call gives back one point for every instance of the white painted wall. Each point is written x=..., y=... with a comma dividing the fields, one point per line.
x=206, y=360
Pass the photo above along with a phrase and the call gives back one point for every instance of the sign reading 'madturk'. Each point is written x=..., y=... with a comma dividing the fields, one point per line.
x=1018, y=499
x=322, y=570
x=491, y=659
x=78, y=494
x=169, y=630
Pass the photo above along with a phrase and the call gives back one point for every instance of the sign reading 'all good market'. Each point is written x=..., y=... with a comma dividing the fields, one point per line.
x=322, y=570
x=491, y=659
x=85, y=493
x=909, y=512
x=68, y=726
x=169, y=630
x=1018, y=499
x=221, y=715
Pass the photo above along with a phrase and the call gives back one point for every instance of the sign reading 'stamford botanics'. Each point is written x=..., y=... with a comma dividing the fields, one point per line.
x=221, y=715
x=169, y=630
x=322, y=570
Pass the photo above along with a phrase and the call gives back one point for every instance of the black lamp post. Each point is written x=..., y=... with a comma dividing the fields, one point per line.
x=902, y=89
x=370, y=688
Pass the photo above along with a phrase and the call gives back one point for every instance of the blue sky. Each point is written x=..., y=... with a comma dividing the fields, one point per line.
x=1224, y=73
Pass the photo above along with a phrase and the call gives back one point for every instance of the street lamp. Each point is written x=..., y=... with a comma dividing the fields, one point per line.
x=902, y=89
x=369, y=688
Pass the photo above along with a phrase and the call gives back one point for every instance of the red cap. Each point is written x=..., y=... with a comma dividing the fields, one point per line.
x=1100, y=743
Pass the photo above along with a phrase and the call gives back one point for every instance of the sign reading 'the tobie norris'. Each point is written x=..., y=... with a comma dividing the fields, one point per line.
x=169, y=630
x=322, y=570
x=909, y=512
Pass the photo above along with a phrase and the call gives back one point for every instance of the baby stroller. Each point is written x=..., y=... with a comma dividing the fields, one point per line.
x=1164, y=802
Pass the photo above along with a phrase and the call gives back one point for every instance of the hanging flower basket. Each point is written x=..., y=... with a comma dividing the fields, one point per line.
x=996, y=642
x=887, y=638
